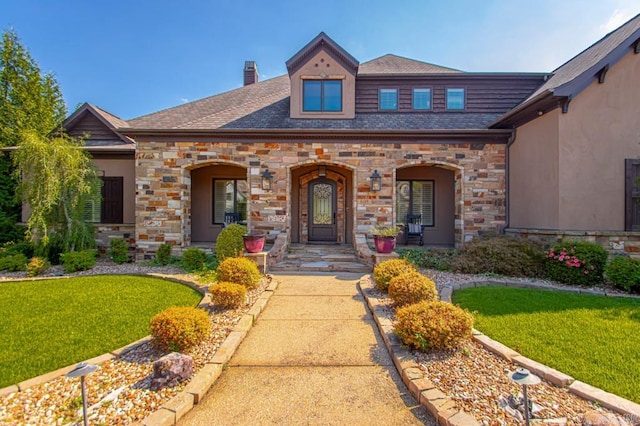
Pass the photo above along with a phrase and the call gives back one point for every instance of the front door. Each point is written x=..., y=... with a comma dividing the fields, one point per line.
x=322, y=210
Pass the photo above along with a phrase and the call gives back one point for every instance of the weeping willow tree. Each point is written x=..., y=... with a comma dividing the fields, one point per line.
x=57, y=178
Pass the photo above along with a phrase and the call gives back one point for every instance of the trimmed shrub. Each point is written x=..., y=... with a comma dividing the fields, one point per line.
x=576, y=262
x=229, y=242
x=78, y=260
x=179, y=328
x=410, y=288
x=501, y=255
x=383, y=272
x=624, y=273
x=239, y=270
x=163, y=255
x=11, y=248
x=433, y=325
x=429, y=258
x=36, y=266
x=228, y=295
x=119, y=250
x=193, y=259
x=14, y=262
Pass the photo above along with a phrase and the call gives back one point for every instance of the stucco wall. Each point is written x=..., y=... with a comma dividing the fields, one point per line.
x=601, y=129
x=323, y=65
x=533, y=174
x=164, y=183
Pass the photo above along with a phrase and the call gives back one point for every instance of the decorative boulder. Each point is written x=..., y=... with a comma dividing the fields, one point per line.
x=596, y=418
x=170, y=370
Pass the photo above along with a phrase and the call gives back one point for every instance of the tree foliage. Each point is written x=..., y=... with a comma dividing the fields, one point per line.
x=58, y=177
x=29, y=101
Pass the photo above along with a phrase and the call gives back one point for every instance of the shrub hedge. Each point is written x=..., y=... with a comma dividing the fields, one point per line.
x=36, y=266
x=384, y=271
x=193, y=259
x=239, y=270
x=119, y=250
x=78, y=260
x=163, y=255
x=410, y=288
x=13, y=262
x=179, y=328
x=228, y=295
x=576, y=262
x=624, y=273
x=229, y=242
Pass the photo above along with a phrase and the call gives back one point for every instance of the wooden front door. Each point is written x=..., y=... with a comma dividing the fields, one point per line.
x=322, y=210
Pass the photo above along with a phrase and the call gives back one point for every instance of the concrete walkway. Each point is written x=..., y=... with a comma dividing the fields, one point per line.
x=313, y=357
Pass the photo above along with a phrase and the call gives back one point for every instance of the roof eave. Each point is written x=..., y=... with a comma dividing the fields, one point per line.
x=448, y=134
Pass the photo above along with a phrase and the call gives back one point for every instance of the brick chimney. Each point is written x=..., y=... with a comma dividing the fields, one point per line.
x=250, y=73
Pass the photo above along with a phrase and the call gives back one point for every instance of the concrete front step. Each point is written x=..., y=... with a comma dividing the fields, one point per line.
x=320, y=266
x=320, y=258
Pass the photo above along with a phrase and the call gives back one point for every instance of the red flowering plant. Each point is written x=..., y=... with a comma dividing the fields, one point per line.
x=579, y=263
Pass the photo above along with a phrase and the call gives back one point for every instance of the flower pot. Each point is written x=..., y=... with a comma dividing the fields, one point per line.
x=253, y=243
x=384, y=243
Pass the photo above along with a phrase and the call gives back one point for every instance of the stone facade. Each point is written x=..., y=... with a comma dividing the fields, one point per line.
x=163, y=181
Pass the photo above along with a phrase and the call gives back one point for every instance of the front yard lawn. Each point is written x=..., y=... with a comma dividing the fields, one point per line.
x=49, y=324
x=595, y=339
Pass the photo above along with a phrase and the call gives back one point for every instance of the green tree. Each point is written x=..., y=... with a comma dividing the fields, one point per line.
x=29, y=101
x=58, y=177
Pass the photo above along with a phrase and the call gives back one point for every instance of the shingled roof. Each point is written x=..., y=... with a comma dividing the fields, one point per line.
x=397, y=65
x=572, y=77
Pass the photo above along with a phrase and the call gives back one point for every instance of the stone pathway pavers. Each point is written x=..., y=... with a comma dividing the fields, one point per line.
x=314, y=357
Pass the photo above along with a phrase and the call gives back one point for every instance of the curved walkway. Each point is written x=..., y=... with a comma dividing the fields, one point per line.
x=315, y=356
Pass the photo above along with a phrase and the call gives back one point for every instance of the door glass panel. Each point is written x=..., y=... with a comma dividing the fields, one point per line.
x=322, y=204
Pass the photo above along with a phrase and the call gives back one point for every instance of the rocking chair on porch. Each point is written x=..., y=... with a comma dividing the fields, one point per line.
x=413, y=228
x=230, y=217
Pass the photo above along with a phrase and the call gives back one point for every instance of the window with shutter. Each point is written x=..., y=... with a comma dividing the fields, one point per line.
x=112, y=200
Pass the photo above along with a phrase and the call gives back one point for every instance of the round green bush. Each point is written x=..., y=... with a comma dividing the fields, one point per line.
x=624, y=273
x=228, y=295
x=433, y=325
x=229, y=242
x=193, y=259
x=119, y=250
x=179, y=328
x=576, y=262
x=411, y=287
x=239, y=270
x=13, y=263
x=383, y=272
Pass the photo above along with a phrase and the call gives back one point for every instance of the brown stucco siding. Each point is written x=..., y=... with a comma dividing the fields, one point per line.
x=164, y=183
x=601, y=129
x=533, y=174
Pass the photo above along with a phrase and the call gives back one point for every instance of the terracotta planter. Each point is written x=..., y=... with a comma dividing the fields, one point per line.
x=384, y=243
x=253, y=243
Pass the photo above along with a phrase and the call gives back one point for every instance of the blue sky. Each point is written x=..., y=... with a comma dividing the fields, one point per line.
x=136, y=57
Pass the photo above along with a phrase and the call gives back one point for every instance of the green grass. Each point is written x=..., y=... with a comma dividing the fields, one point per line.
x=595, y=339
x=49, y=324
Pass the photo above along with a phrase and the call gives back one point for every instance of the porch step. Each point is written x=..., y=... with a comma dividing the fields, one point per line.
x=320, y=258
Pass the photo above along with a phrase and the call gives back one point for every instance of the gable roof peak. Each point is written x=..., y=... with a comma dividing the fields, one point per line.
x=322, y=40
x=391, y=64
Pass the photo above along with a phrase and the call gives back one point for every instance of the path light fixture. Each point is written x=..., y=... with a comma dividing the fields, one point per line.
x=376, y=181
x=267, y=180
x=82, y=370
x=523, y=377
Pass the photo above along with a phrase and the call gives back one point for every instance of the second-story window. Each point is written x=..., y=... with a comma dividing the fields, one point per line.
x=388, y=99
x=322, y=95
x=421, y=99
x=455, y=99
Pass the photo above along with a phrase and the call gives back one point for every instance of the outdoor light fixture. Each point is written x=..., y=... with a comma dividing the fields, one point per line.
x=267, y=180
x=376, y=181
x=523, y=377
x=82, y=370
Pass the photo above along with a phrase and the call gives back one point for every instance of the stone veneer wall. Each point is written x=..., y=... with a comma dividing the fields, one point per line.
x=615, y=242
x=106, y=232
x=163, y=180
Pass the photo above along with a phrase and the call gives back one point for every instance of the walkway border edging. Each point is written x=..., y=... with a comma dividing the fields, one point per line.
x=174, y=409
x=583, y=390
x=438, y=404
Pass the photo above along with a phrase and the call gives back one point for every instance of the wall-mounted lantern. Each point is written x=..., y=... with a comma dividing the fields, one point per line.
x=82, y=370
x=376, y=181
x=267, y=180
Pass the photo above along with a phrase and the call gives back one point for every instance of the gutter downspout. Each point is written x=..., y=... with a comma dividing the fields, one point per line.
x=510, y=142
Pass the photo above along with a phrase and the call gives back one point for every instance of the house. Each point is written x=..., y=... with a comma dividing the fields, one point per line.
x=336, y=147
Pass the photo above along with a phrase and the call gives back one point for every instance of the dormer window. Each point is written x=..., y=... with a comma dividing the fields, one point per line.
x=322, y=95
x=388, y=99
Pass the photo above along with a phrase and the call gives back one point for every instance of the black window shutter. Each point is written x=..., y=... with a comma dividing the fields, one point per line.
x=112, y=204
x=632, y=191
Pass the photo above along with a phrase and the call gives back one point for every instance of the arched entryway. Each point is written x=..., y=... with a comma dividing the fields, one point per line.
x=430, y=191
x=216, y=189
x=321, y=204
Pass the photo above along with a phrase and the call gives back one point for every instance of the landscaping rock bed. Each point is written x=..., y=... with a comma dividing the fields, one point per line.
x=119, y=389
